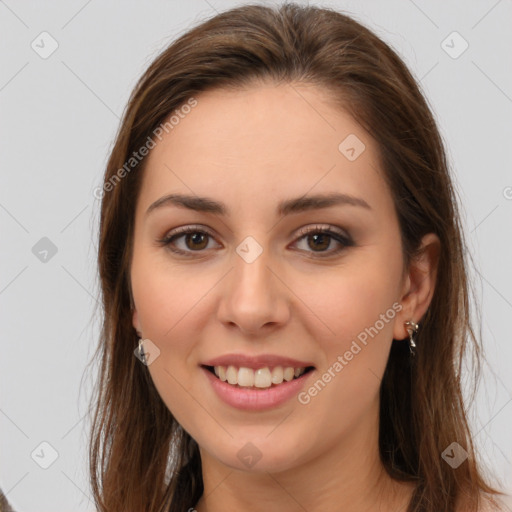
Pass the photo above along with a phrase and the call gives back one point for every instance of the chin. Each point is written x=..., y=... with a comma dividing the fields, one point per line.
x=257, y=457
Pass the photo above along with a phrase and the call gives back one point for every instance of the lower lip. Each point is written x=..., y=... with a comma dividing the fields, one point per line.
x=251, y=399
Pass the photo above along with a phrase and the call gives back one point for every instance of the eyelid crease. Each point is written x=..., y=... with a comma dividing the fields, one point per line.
x=323, y=229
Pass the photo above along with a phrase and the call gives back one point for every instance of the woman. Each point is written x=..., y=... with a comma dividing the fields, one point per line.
x=280, y=248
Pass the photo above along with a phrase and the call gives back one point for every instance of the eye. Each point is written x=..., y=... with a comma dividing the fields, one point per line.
x=320, y=238
x=195, y=239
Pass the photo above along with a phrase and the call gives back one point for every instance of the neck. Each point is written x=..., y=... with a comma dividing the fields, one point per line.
x=346, y=477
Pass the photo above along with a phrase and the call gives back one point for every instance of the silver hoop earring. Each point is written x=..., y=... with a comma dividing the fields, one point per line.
x=412, y=329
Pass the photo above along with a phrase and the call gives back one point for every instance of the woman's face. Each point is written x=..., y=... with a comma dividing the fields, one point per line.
x=253, y=282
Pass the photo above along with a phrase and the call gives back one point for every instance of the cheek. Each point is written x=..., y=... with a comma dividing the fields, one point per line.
x=357, y=306
x=166, y=297
x=167, y=306
x=351, y=299
x=171, y=309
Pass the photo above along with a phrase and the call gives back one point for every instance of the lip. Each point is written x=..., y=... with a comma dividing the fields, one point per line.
x=255, y=362
x=256, y=399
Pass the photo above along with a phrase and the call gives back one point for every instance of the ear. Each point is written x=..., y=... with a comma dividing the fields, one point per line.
x=419, y=285
x=136, y=323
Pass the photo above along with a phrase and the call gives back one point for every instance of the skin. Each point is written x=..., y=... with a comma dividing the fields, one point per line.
x=252, y=148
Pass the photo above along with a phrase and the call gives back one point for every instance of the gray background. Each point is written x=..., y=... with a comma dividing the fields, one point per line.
x=59, y=116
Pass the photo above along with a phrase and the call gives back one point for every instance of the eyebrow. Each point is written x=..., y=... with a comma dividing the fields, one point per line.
x=286, y=207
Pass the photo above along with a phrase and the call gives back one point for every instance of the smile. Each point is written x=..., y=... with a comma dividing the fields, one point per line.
x=257, y=378
x=253, y=398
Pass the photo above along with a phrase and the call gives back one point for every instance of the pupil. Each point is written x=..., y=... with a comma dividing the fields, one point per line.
x=194, y=240
x=316, y=237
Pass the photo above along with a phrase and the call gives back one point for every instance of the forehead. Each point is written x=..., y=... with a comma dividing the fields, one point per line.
x=258, y=144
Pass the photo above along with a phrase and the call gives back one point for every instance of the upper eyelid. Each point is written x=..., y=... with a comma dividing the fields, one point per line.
x=183, y=230
x=326, y=228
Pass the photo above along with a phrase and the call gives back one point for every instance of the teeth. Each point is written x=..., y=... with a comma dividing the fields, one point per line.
x=289, y=373
x=260, y=378
x=277, y=375
x=232, y=375
x=246, y=377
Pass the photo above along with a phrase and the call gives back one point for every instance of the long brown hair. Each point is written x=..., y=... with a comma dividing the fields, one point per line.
x=140, y=457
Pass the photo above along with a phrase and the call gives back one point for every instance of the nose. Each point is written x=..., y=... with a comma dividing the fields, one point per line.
x=253, y=297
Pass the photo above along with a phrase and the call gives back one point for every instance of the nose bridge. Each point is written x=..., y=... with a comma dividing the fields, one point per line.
x=253, y=297
x=251, y=280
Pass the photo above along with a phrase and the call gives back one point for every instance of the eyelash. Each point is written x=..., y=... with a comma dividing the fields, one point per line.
x=345, y=241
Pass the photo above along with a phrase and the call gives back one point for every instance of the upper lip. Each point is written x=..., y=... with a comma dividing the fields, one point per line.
x=255, y=362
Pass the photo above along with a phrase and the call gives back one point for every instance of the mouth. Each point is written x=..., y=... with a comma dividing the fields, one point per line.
x=261, y=378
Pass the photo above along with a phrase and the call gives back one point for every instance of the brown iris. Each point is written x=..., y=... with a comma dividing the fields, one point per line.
x=196, y=238
x=320, y=237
